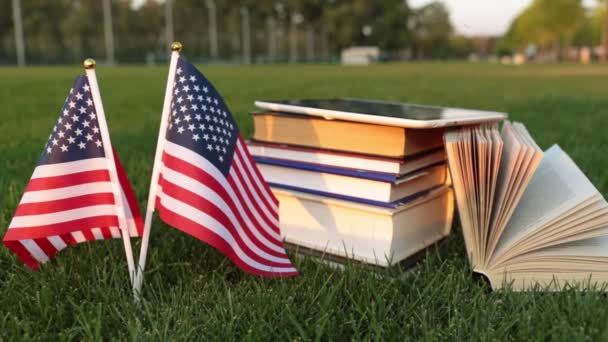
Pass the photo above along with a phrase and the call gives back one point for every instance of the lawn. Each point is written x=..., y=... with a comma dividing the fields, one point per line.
x=192, y=291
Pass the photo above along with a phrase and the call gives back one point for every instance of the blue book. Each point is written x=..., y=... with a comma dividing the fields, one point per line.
x=378, y=176
x=375, y=188
x=393, y=204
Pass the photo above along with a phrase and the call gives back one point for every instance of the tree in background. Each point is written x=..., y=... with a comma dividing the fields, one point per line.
x=361, y=22
x=66, y=31
x=590, y=31
x=389, y=26
x=138, y=33
x=461, y=47
x=431, y=30
x=42, y=34
x=550, y=24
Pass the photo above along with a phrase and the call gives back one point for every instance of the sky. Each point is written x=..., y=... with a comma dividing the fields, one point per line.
x=483, y=17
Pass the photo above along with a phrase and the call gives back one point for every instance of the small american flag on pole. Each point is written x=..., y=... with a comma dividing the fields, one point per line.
x=70, y=197
x=208, y=184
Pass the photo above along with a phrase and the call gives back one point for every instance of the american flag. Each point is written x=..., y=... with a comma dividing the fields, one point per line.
x=69, y=198
x=209, y=186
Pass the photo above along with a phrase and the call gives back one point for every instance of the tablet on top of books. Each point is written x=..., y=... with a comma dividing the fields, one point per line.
x=382, y=112
x=527, y=218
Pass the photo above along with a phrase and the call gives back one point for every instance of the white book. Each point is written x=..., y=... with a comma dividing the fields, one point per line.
x=356, y=188
x=527, y=218
x=347, y=160
x=371, y=234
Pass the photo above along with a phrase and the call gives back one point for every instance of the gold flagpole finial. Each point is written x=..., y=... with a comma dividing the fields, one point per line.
x=89, y=63
x=176, y=46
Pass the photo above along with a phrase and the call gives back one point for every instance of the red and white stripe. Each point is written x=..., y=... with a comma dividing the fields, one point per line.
x=133, y=217
x=237, y=215
x=69, y=203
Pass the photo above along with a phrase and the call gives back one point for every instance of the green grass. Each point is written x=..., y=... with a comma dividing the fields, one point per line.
x=191, y=291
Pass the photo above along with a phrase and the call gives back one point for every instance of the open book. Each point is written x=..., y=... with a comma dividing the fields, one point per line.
x=528, y=218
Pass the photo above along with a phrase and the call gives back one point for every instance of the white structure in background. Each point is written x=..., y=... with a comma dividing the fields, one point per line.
x=360, y=55
x=585, y=55
x=18, y=22
x=272, y=39
x=108, y=32
x=168, y=22
x=506, y=60
x=519, y=59
x=296, y=19
x=246, y=32
x=212, y=28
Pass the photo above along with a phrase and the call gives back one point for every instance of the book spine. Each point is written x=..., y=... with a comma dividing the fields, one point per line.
x=391, y=205
x=376, y=176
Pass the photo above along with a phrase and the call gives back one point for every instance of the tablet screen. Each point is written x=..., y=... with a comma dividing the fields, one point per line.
x=386, y=109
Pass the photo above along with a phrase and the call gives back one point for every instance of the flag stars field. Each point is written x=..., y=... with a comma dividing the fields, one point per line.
x=70, y=127
x=187, y=107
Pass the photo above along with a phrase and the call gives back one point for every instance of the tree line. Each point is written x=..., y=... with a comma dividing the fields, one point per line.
x=65, y=31
x=554, y=26
x=261, y=31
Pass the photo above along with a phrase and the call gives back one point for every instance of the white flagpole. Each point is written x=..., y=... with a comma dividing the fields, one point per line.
x=89, y=65
x=176, y=48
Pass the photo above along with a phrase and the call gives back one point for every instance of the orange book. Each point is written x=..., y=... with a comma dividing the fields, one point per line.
x=357, y=137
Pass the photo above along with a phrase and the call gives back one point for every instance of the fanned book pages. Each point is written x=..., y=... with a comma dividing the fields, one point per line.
x=528, y=218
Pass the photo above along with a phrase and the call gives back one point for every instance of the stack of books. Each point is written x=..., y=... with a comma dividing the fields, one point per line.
x=370, y=192
x=353, y=182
